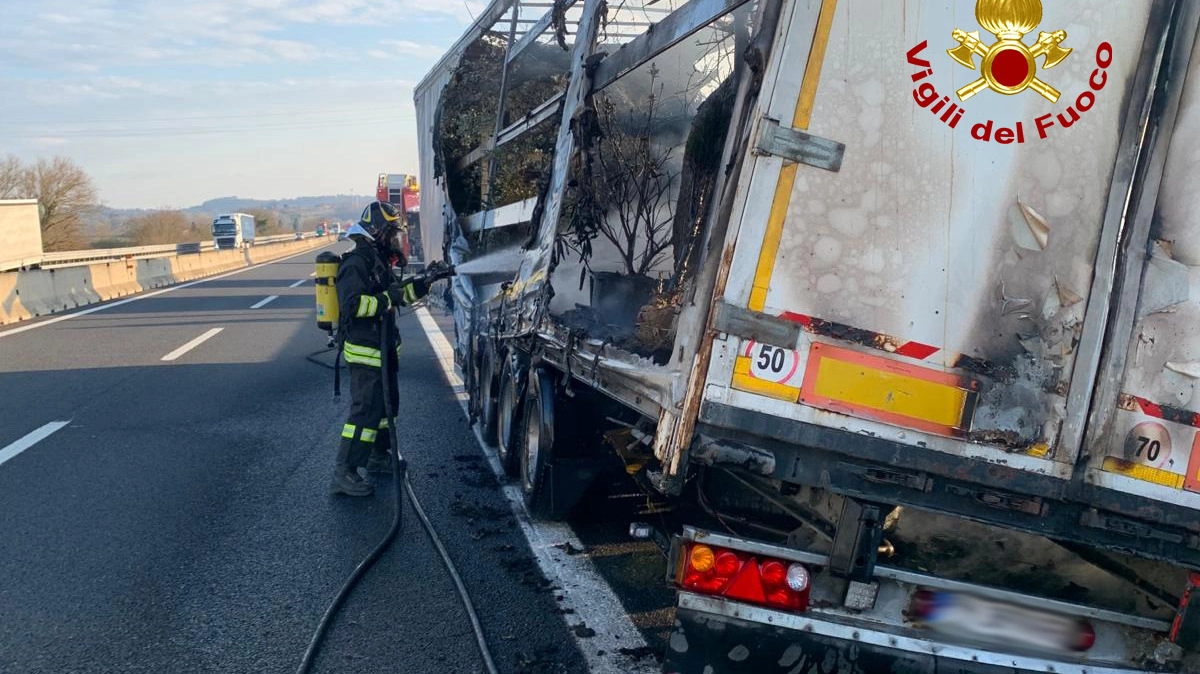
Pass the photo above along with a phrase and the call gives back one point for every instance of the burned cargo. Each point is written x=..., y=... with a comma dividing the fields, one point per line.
x=911, y=378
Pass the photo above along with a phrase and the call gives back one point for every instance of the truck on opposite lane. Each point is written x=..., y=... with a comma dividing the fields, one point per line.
x=233, y=230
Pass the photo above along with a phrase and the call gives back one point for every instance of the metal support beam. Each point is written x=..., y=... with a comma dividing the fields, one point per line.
x=474, y=155
x=534, y=31
x=660, y=37
x=487, y=183
x=535, y=117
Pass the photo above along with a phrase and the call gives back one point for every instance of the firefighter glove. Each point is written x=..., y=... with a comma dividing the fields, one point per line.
x=407, y=292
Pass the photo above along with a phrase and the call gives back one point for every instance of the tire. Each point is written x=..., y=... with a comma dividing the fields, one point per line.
x=536, y=442
x=508, y=417
x=488, y=390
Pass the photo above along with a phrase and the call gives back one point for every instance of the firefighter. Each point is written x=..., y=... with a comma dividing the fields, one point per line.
x=367, y=295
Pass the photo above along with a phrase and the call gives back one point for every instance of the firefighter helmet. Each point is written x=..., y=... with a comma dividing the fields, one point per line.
x=379, y=216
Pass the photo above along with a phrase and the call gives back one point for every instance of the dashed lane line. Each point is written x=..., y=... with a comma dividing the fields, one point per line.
x=297, y=284
x=192, y=344
x=586, y=595
x=31, y=440
x=264, y=302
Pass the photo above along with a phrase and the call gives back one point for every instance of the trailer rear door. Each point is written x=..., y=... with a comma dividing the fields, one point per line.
x=941, y=274
x=1144, y=432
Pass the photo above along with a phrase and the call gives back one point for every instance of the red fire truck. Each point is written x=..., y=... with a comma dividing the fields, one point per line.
x=402, y=191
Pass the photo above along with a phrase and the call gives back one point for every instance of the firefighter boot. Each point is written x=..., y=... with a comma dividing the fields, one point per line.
x=380, y=461
x=346, y=479
x=381, y=458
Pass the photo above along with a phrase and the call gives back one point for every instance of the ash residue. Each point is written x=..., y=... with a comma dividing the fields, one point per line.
x=474, y=512
x=477, y=475
x=1012, y=412
x=651, y=337
x=543, y=661
x=588, y=321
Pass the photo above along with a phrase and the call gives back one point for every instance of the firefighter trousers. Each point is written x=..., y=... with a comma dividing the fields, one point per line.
x=367, y=426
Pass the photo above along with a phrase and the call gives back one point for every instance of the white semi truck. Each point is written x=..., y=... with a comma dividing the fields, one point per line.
x=233, y=230
x=902, y=294
x=20, y=234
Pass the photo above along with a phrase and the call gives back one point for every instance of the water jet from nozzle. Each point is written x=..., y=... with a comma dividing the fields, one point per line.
x=494, y=267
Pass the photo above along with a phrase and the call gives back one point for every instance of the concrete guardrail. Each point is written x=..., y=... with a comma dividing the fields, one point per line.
x=74, y=258
x=37, y=292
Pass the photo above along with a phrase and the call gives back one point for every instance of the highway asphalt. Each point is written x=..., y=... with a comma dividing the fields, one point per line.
x=180, y=520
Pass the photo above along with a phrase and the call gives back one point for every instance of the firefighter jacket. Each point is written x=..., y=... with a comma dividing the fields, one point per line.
x=363, y=304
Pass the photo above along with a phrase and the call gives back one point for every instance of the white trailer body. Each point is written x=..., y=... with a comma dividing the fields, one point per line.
x=927, y=278
x=233, y=230
x=20, y=233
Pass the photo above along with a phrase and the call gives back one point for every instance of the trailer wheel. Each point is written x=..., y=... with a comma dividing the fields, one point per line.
x=488, y=390
x=508, y=415
x=537, y=443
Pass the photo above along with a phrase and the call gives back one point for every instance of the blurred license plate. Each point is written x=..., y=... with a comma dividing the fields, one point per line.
x=1002, y=624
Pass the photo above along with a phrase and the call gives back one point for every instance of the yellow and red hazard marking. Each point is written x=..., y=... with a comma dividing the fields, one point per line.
x=883, y=389
x=868, y=338
x=1147, y=451
x=878, y=388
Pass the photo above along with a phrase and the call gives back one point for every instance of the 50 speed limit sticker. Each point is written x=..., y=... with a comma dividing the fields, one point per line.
x=772, y=363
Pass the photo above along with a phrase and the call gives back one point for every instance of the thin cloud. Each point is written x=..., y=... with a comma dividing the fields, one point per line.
x=390, y=48
x=220, y=33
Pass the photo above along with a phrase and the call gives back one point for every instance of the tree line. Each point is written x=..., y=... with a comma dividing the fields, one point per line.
x=69, y=203
x=64, y=191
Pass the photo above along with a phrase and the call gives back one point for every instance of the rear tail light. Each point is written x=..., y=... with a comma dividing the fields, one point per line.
x=737, y=575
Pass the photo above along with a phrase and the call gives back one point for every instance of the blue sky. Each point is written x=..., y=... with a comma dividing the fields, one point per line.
x=167, y=104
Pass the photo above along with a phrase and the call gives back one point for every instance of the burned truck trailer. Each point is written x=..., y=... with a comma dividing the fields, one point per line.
x=903, y=297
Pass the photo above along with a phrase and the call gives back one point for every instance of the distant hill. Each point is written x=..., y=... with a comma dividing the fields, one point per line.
x=333, y=207
x=106, y=227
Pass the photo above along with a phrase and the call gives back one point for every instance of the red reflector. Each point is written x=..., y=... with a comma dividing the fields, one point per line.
x=774, y=574
x=748, y=585
x=781, y=598
x=727, y=564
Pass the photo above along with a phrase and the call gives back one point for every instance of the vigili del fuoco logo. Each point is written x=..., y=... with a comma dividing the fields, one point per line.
x=1009, y=67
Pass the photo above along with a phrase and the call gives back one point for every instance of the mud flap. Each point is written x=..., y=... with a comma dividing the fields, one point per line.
x=567, y=479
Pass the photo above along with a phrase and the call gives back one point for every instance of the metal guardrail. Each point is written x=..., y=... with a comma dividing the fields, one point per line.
x=72, y=257
x=79, y=257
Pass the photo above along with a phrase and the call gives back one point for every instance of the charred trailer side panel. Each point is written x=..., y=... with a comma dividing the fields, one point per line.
x=922, y=345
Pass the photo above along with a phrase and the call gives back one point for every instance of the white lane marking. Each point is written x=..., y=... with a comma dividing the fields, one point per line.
x=297, y=284
x=312, y=274
x=584, y=590
x=192, y=344
x=156, y=293
x=30, y=440
x=264, y=302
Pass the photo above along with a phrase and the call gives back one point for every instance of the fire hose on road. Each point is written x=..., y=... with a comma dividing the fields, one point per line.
x=399, y=480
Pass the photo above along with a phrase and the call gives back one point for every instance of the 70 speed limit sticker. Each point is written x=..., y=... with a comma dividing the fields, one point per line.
x=772, y=363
